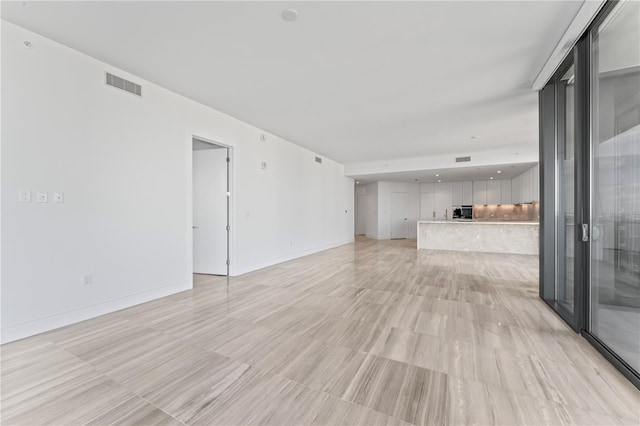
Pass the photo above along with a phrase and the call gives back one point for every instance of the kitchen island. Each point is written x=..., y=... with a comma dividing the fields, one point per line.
x=487, y=237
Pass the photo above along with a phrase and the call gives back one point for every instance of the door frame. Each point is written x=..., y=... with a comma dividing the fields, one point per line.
x=230, y=203
x=357, y=210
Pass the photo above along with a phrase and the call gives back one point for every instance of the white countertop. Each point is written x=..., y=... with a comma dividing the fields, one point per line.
x=469, y=222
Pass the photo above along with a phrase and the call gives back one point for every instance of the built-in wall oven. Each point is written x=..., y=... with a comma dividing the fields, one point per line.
x=463, y=212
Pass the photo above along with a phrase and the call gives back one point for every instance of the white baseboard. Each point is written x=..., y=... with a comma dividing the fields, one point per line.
x=243, y=269
x=20, y=331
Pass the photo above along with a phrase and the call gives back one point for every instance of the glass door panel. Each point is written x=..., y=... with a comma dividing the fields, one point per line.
x=615, y=183
x=565, y=220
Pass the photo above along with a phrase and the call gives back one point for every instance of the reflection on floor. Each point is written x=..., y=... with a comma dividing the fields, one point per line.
x=619, y=328
x=615, y=304
x=371, y=333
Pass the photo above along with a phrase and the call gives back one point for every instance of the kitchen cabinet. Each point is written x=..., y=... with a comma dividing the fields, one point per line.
x=456, y=194
x=443, y=200
x=525, y=186
x=479, y=192
x=494, y=189
x=467, y=193
x=428, y=188
x=516, y=189
x=427, y=201
x=505, y=191
x=427, y=205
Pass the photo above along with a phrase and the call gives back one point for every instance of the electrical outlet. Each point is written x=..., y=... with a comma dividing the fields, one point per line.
x=58, y=197
x=88, y=279
x=24, y=196
x=43, y=197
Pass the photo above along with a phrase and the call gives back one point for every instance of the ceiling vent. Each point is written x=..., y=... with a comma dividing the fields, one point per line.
x=318, y=160
x=122, y=84
x=463, y=159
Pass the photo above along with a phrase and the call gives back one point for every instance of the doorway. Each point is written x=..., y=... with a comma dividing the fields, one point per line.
x=361, y=214
x=210, y=225
x=398, y=215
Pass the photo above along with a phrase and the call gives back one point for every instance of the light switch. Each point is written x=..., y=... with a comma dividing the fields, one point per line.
x=43, y=197
x=58, y=197
x=24, y=196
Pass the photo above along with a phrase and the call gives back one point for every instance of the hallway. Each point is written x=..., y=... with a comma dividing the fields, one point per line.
x=374, y=332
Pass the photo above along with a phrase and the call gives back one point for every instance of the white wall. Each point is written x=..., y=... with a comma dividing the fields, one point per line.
x=124, y=165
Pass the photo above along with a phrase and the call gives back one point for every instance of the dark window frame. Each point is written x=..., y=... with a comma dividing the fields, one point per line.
x=579, y=320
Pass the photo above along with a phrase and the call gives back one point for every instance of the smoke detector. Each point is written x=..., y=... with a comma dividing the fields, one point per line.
x=289, y=15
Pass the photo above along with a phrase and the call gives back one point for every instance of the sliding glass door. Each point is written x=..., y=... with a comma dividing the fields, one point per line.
x=565, y=220
x=590, y=180
x=615, y=183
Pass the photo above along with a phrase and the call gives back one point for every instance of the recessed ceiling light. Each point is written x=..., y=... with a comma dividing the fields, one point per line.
x=437, y=175
x=491, y=177
x=357, y=182
x=289, y=15
x=499, y=171
x=439, y=180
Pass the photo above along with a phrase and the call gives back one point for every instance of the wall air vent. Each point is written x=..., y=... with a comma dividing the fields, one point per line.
x=318, y=160
x=463, y=159
x=126, y=85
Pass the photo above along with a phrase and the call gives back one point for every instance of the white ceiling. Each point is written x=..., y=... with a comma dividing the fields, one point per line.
x=459, y=174
x=354, y=81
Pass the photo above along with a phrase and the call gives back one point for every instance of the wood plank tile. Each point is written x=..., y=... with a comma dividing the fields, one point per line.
x=411, y=393
x=370, y=333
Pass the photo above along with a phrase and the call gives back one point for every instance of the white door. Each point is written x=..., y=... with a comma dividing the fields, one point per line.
x=210, y=211
x=398, y=215
x=361, y=217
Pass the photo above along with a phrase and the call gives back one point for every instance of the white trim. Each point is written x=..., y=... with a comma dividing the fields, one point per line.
x=579, y=24
x=40, y=325
x=239, y=270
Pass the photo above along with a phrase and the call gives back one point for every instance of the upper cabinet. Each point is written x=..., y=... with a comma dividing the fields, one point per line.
x=494, y=192
x=444, y=196
x=479, y=192
x=505, y=191
x=524, y=187
x=462, y=193
x=456, y=193
x=467, y=193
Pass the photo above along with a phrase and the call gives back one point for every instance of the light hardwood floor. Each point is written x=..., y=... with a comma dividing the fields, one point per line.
x=372, y=333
